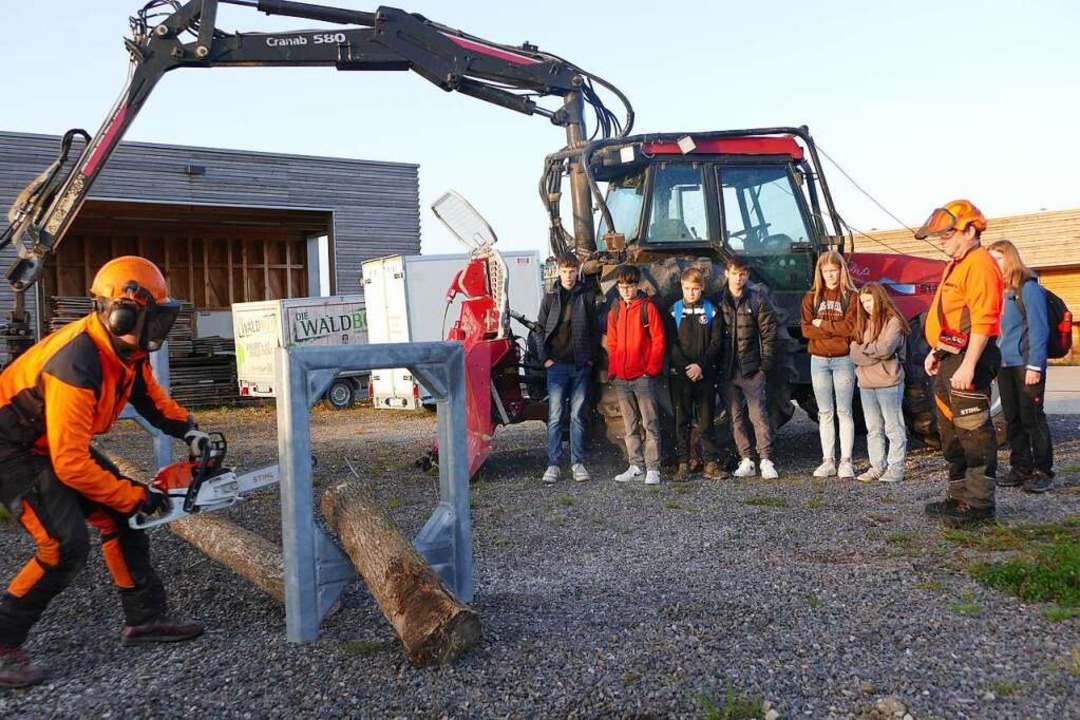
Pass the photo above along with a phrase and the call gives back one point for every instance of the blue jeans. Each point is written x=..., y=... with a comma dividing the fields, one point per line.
x=834, y=389
x=565, y=382
x=883, y=409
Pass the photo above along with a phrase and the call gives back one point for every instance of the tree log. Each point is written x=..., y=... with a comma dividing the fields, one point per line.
x=432, y=624
x=249, y=555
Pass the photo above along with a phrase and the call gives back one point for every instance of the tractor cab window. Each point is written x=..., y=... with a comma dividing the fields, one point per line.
x=765, y=222
x=677, y=212
x=625, y=198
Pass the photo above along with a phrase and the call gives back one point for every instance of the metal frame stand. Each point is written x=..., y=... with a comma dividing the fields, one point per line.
x=163, y=444
x=316, y=570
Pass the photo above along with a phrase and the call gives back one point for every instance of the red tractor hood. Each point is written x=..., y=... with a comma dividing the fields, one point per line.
x=911, y=281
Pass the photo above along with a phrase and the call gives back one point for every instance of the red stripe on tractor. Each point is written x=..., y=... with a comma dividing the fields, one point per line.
x=731, y=146
x=493, y=52
x=115, y=124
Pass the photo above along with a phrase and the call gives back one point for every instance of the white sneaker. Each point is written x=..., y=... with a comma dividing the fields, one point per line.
x=892, y=476
x=579, y=472
x=768, y=470
x=652, y=477
x=846, y=470
x=746, y=469
x=870, y=475
x=551, y=475
x=825, y=469
x=632, y=473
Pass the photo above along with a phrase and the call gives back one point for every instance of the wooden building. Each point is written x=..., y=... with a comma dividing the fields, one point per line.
x=1049, y=242
x=226, y=226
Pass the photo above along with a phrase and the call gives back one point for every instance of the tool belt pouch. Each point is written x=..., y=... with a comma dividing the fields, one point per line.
x=17, y=476
x=950, y=342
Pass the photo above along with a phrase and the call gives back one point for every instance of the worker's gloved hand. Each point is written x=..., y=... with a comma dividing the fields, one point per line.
x=197, y=441
x=155, y=503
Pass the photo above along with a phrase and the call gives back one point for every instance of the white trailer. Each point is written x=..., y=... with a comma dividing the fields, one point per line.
x=406, y=302
x=259, y=328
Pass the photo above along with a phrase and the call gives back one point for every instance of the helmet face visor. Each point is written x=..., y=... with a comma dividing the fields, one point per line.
x=940, y=222
x=160, y=318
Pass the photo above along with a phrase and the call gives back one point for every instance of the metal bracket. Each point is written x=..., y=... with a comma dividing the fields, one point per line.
x=316, y=570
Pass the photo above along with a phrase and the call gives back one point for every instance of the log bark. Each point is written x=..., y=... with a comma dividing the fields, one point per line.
x=249, y=555
x=432, y=624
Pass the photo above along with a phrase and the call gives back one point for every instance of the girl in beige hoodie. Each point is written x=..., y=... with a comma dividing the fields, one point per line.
x=878, y=353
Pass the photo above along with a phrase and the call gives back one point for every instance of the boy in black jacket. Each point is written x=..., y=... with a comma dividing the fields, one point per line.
x=694, y=349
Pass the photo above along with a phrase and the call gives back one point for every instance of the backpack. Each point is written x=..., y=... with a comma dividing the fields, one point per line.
x=1060, y=320
x=710, y=313
x=644, y=312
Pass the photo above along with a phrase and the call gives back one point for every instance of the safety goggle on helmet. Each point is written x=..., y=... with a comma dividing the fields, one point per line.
x=131, y=288
x=957, y=215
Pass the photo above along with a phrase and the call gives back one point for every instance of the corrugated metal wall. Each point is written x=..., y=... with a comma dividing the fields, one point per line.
x=375, y=205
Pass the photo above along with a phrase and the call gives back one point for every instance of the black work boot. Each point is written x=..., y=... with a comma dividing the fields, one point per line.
x=1015, y=478
x=1040, y=482
x=964, y=515
x=941, y=507
x=16, y=671
x=160, y=630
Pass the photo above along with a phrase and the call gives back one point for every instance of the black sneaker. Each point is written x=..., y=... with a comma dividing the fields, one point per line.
x=1040, y=482
x=1015, y=478
x=964, y=515
x=160, y=630
x=941, y=507
x=16, y=671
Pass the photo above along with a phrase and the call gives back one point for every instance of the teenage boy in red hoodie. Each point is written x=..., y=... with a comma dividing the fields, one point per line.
x=635, y=338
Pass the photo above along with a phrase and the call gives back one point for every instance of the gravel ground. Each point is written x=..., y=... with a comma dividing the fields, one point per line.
x=597, y=600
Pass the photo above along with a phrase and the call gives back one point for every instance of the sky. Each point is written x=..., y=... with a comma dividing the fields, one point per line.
x=918, y=101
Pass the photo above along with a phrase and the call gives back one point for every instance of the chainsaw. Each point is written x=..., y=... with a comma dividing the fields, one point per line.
x=202, y=484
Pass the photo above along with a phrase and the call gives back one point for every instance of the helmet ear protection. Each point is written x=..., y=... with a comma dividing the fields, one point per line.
x=122, y=313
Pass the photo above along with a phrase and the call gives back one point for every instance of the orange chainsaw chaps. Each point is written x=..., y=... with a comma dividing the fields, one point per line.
x=177, y=476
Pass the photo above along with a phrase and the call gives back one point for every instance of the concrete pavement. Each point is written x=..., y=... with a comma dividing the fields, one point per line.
x=1063, y=390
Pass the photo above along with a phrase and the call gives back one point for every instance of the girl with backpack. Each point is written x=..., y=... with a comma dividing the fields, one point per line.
x=828, y=322
x=1025, y=332
x=877, y=350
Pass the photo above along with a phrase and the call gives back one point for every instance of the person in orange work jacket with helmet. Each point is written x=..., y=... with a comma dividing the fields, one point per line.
x=962, y=325
x=54, y=399
x=635, y=340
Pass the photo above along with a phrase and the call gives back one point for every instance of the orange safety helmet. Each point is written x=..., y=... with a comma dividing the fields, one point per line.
x=129, y=287
x=956, y=215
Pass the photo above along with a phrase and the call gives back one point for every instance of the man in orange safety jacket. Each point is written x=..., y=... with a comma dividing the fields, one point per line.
x=54, y=399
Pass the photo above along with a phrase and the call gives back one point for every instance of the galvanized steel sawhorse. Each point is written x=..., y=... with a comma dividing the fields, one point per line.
x=316, y=570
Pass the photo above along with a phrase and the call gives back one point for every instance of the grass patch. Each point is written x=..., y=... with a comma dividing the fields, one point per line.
x=766, y=501
x=1070, y=469
x=814, y=602
x=966, y=606
x=1045, y=566
x=628, y=678
x=653, y=490
x=813, y=504
x=682, y=488
x=5, y=515
x=358, y=648
x=931, y=585
x=566, y=500
x=1056, y=613
x=393, y=504
x=902, y=539
x=1008, y=688
x=998, y=538
x=734, y=706
x=672, y=505
x=888, y=499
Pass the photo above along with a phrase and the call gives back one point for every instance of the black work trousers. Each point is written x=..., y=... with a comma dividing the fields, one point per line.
x=1026, y=429
x=967, y=434
x=56, y=517
x=695, y=408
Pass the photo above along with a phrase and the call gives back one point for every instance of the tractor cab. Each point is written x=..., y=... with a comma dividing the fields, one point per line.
x=751, y=193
